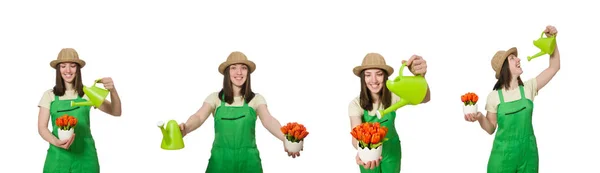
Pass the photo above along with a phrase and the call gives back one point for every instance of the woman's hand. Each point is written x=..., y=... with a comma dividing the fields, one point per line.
x=417, y=65
x=182, y=128
x=65, y=144
x=473, y=117
x=369, y=164
x=550, y=31
x=292, y=154
x=108, y=83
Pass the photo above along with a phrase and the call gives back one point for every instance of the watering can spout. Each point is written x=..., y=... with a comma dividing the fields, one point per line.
x=172, y=137
x=161, y=126
x=529, y=58
x=411, y=90
x=546, y=46
x=96, y=95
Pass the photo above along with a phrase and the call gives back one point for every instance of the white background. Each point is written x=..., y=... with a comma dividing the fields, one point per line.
x=163, y=58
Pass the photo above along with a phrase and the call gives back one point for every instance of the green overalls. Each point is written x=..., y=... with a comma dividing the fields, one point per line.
x=234, y=148
x=391, y=152
x=515, y=147
x=81, y=157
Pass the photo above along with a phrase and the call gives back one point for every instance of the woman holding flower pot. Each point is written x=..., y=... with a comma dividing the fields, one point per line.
x=374, y=96
x=235, y=110
x=74, y=154
x=510, y=109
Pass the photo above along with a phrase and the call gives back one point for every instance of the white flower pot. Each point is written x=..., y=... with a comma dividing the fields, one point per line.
x=294, y=146
x=65, y=134
x=367, y=154
x=470, y=109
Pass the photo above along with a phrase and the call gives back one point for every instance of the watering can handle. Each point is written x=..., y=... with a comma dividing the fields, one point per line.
x=96, y=81
x=402, y=68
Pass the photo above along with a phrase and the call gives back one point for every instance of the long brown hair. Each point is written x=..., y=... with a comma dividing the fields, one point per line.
x=385, y=96
x=60, y=85
x=227, y=90
x=505, y=77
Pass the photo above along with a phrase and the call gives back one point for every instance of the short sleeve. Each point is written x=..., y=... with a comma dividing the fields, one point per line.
x=257, y=101
x=354, y=108
x=212, y=99
x=530, y=87
x=47, y=98
x=492, y=102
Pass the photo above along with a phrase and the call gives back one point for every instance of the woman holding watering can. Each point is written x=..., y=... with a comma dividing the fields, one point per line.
x=374, y=96
x=510, y=109
x=76, y=154
x=235, y=109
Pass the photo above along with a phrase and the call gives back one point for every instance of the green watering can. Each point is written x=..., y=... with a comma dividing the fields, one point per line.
x=172, y=137
x=546, y=46
x=411, y=90
x=96, y=94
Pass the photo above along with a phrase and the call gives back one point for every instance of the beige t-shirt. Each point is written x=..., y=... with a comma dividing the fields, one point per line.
x=48, y=97
x=529, y=87
x=354, y=108
x=214, y=101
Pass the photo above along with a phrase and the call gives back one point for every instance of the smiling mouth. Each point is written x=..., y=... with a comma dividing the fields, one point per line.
x=68, y=75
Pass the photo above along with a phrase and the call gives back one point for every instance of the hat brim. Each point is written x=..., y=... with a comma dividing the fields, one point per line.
x=505, y=55
x=53, y=63
x=358, y=69
x=249, y=63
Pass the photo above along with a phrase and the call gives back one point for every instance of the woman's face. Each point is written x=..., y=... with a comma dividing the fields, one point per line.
x=514, y=64
x=237, y=74
x=374, y=80
x=68, y=71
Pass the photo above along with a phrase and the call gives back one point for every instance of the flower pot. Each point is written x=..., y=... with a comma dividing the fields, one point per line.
x=293, y=146
x=65, y=134
x=366, y=154
x=469, y=109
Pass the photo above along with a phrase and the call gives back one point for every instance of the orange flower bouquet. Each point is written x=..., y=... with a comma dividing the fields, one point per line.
x=370, y=137
x=66, y=125
x=294, y=135
x=470, y=102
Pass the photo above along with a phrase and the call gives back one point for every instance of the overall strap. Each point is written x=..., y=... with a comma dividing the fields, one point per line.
x=55, y=98
x=522, y=92
x=500, y=95
x=222, y=100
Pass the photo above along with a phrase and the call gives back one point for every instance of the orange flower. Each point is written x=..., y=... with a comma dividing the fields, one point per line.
x=370, y=135
x=66, y=122
x=469, y=98
x=294, y=132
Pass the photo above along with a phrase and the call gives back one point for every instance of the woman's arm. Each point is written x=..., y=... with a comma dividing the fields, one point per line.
x=545, y=76
x=197, y=119
x=488, y=122
x=270, y=122
x=43, y=118
x=112, y=107
x=354, y=121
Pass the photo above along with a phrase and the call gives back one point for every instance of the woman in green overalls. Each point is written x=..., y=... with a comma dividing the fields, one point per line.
x=510, y=108
x=374, y=96
x=235, y=110
x=77, y=154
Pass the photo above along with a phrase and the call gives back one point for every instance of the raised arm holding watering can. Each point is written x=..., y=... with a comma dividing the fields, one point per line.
x=235, y=110
x=376, y=97
x=74, y=154
x=510, y=109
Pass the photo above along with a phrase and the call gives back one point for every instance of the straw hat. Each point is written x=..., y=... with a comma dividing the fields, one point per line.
x=499, y=58
x=237, y=58
x=373, y=60
x=67, y=55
